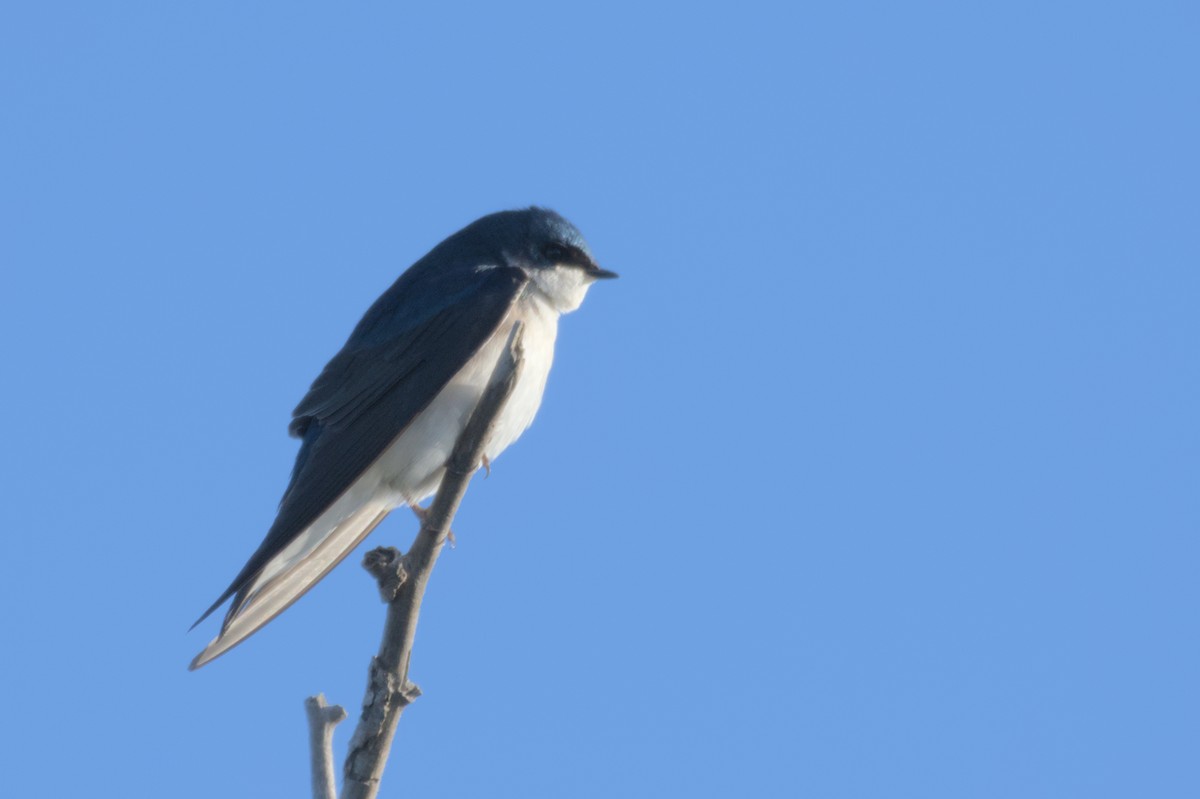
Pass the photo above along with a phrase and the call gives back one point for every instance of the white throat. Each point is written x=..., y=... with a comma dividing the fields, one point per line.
x=563, y=286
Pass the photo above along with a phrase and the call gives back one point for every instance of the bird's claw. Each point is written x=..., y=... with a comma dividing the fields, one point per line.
x=423, y=513
x=487, y=467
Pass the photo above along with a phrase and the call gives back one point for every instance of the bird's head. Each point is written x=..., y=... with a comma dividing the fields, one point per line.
x=558, y=260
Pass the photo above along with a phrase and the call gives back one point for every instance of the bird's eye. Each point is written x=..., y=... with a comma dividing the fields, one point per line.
x=556, y=253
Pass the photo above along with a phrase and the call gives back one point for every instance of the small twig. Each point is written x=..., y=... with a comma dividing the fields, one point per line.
x=402, y=581
x=322, y=718
x=387, y=565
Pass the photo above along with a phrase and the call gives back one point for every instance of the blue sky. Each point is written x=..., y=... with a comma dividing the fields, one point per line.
x=874, y=475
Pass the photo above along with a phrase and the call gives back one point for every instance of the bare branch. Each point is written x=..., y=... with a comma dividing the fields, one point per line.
x=322, y=718
x=402, y=581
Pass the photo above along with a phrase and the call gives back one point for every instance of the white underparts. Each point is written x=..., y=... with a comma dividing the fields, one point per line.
x=563, y=286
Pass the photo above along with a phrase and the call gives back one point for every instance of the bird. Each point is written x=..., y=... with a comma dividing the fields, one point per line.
x=380, y=421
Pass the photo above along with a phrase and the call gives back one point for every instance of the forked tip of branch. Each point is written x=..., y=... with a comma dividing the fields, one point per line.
x=328, y=714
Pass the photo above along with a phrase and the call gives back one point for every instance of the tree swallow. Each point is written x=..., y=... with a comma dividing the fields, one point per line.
x=379, y=423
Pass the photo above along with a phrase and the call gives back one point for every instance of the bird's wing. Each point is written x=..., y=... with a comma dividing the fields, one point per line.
x=404, y=351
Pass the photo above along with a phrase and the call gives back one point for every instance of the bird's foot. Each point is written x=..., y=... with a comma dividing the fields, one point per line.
x=487, y=467
x=423, y=513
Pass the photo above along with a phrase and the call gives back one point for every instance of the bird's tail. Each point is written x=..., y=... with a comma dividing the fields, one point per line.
x=288, y=575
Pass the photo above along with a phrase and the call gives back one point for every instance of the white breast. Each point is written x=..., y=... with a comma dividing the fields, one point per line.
x=411, y=469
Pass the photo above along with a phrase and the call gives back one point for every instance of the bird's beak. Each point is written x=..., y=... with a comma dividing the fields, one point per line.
x=601, y=274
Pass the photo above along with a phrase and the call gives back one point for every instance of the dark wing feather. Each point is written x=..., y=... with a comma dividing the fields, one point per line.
x=407, y=347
